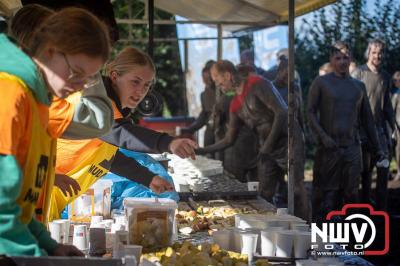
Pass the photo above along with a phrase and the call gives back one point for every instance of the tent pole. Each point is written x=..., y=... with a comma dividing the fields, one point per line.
x=291, y=107
x=219, y=54
x=219, y=44
x=150, y=6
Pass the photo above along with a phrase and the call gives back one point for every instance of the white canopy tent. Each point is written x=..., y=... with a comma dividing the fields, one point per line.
x=230, y=15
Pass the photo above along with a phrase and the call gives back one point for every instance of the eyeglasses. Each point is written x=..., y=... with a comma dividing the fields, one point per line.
x=77, y=77
x=396, y=80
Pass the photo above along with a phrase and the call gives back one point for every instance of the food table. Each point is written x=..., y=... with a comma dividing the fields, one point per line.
x=214, y=213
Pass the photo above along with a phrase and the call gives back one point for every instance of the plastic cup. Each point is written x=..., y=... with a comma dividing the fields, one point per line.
x=222, y=238
x=120, y=240
x=268, y=241
x=237, y=240
x=117, y=227
x=97, y=241
x=253, y=186
x=256, y=231
x=120, y=220
x=65, y=225
x=284, y=244
x=249, y=244
x=95, y=220
x=302, y=243
x=251, y=222
x=80, y=237
x=98, y=225
x=108, y=223
x=56, y=231
x=237, y=220
x=133, y=250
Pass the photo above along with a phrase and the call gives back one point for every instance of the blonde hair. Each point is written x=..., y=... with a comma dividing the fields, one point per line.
x=73, y=31
x=127, y=59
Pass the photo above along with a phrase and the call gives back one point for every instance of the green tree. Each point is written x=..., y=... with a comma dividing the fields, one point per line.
x=349, y=21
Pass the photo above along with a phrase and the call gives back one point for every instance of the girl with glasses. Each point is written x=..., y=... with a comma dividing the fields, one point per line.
x=28, y=82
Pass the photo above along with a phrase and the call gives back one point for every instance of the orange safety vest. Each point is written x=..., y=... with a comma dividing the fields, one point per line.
x=38, y=169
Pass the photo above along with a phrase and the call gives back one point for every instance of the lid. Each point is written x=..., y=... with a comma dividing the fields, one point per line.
x=150, y=203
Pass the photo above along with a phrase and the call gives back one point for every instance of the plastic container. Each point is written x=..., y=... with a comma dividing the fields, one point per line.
x=96, y=201
x=151, y=222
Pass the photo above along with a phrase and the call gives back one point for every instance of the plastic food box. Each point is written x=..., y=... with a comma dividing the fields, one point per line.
x=151, y=222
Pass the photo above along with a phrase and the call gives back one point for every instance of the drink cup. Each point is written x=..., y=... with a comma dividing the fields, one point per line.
x=56, y=231
x=302, y=243
x=80, y=237
x=120, y=240
x=95, y=220
x=284, y=243
x=237, y=240
x=65, y=225
x=249, y=244
x=268, y=241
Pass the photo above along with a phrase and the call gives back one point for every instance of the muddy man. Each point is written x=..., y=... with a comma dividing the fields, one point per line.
x=377, y=83
x=259, y=106
x=338, y=107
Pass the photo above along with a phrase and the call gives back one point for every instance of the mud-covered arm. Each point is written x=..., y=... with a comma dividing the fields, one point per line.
x=200, y=121
x=235, y=123
x=269, y=96
x=314, y=97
